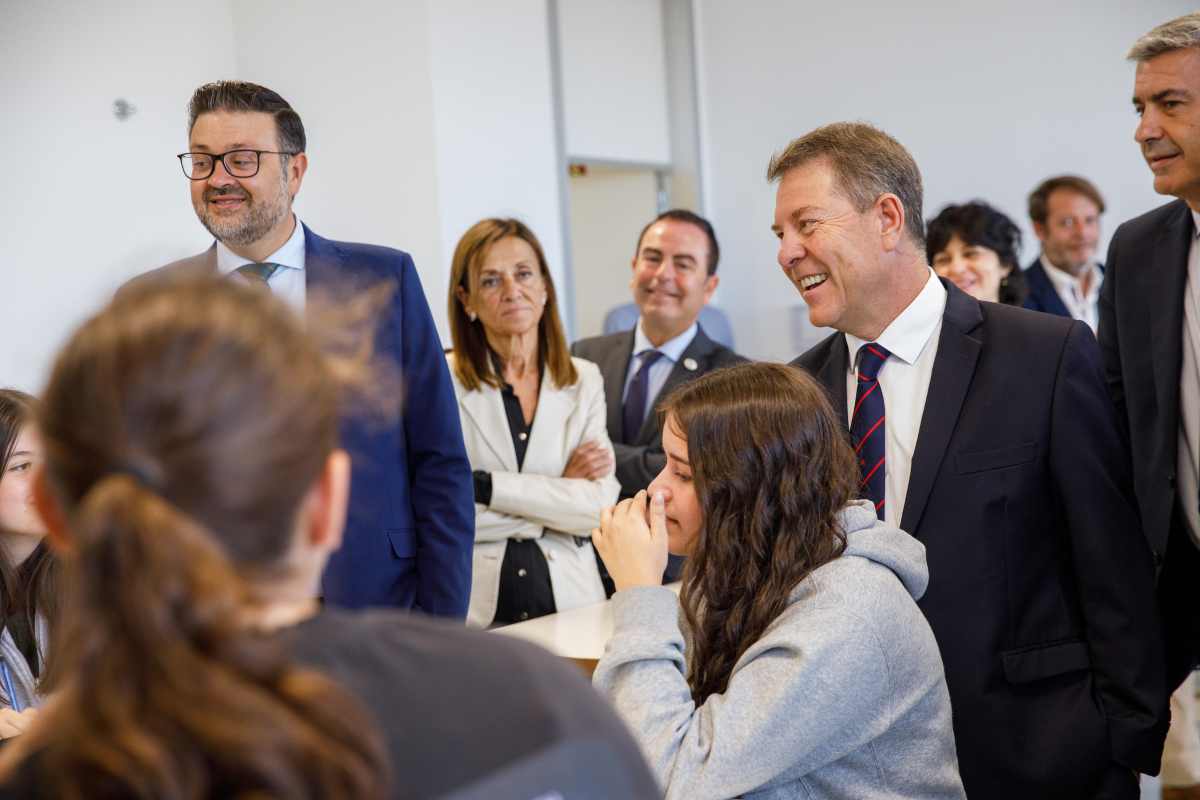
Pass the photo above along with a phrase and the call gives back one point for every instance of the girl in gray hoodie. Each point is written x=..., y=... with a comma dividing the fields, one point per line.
x=795, y=662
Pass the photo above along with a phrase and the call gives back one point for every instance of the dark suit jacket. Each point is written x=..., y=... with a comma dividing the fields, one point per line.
x=1041, y=585
x=411, y=525
x=642, y=457
x=1042, y=294
x=1141, y=329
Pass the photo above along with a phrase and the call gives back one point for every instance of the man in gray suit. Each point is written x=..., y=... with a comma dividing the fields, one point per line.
x=674, y=276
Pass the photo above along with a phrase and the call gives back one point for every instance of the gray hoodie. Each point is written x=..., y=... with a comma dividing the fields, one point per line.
x=843, y=696
x=24, y=684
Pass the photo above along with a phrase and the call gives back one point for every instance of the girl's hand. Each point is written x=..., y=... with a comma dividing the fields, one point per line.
x=632, y=540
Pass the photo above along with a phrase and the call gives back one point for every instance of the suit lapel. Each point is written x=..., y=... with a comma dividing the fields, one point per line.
x=953, y=369
x=485, y=411
x=555, y=406
x=321, y=259
x=832, y=374
x=1042, y=287
x=1166, y=281
x=613, y=366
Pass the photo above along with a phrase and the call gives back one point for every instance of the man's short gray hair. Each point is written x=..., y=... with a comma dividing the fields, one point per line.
x=867, y=163
x=1177, y=34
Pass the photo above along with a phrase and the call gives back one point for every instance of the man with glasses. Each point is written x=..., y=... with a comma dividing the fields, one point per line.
x=411, y=522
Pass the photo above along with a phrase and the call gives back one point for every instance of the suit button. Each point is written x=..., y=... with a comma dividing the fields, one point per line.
x=521, y=573
x=523, y=615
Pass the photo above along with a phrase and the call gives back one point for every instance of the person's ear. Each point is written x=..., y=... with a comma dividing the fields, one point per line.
x=890, y=212
x=326, y=503
x=1039, y=230
x=50, y=510
x=463, y=299
x=710, y=287
x=297, y=166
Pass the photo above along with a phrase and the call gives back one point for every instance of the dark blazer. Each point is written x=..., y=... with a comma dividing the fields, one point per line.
x=642, y=458
x=1141, y=325
x=1042, y=294
x=1141, y=330
x=1041, y=585
x=411, y=526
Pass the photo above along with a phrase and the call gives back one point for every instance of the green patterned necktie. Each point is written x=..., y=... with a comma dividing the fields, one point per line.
x=258, y=273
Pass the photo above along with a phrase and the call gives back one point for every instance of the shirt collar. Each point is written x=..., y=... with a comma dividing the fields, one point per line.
x=291, y=255
x=908, y=334
x=672, y=348
x=1064, y=281
x=1195, y=224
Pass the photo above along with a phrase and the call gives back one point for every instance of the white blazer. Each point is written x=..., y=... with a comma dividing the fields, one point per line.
x=537, y=502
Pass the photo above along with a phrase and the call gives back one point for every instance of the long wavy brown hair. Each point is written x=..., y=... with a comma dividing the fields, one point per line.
x=772, y=468
x=182, y=426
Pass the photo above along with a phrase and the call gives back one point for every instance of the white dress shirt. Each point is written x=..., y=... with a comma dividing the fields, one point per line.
x=912, y=340
x=287, y=282
x=672, y=351
x=1188, y=458
x=1083, y=306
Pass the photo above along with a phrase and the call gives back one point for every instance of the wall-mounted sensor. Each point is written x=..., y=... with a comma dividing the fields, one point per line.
x=123, y=109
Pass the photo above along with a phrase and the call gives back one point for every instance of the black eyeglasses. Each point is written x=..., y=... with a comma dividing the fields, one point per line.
x=238, y=163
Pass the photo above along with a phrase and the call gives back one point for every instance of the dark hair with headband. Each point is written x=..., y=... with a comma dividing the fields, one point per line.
x=182, y=427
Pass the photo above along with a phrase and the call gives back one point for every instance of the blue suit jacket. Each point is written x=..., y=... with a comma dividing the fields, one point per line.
x=1042, y=294
x=411, y=523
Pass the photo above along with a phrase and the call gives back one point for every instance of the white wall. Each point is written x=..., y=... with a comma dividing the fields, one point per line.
x=358, y=74
x=614, y=80
x=90, y=201
x=494, y=124
x=989, y=98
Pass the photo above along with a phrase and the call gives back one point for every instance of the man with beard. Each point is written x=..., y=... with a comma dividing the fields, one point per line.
x=411, y=527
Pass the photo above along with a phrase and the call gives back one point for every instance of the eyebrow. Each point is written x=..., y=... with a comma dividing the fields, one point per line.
x=235, y=146
x=1158, y=97
x=21, y=453
x=675, y=457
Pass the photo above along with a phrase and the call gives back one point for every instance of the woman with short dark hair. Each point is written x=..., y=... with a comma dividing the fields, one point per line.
x=977, y=248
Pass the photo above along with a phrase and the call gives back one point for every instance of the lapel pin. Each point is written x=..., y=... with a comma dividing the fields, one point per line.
x=690, y=364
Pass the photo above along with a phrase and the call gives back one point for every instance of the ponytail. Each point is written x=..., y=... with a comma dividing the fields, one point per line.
x=167, y=691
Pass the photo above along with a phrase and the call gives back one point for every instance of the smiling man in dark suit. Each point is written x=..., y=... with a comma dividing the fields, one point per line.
x=985, y=432
x=410, y=528
x=1150, y=328
x=674, y=276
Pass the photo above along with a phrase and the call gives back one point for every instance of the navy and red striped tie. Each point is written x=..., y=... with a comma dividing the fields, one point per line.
x=866, y=425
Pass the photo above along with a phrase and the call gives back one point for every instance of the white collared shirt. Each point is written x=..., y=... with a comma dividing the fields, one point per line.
x=1187, y=481
x=287, y=282
x=912, y=340
x=1080, y=305
x=672, y=351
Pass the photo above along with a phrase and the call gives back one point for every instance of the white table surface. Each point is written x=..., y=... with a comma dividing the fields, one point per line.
x=579, y=633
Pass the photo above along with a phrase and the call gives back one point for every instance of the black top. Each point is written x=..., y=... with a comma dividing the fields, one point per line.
x=461, y=709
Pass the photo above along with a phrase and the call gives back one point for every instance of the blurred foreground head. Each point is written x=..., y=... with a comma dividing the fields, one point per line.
x=191, y=474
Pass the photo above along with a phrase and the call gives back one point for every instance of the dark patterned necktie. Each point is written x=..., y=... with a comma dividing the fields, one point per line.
x=258, y=273
x=866, y=425
x=635, y=399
